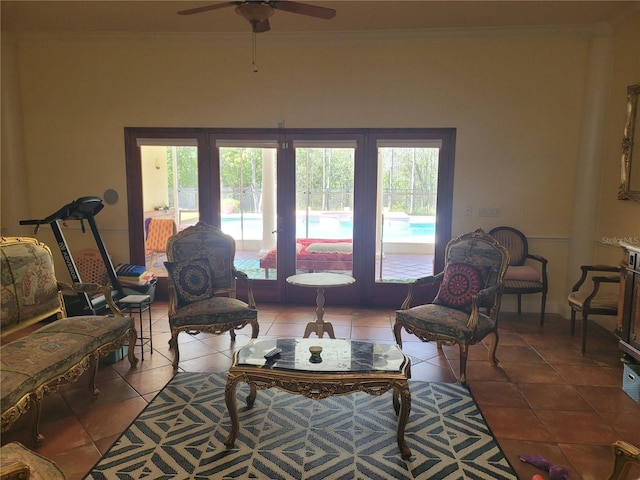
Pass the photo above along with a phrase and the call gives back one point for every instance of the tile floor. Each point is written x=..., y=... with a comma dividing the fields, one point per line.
x=545, y=398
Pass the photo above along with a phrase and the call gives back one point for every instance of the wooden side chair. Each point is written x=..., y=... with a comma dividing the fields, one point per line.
x=465, y=310
x=589, y=297
x=202, y=286
x=527, y=273
x=159, y=231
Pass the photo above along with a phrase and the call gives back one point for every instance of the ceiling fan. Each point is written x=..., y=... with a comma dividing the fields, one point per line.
x=257, y=12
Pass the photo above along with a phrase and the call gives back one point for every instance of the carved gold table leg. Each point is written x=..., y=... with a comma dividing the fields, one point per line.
x=251, y=398
x=403, y=393
x=396, y=401
x=232, y=408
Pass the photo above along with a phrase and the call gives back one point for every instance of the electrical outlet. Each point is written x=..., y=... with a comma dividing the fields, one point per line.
x=489, y=212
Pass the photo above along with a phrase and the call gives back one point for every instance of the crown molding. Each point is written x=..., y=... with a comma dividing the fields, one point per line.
x=331, y=39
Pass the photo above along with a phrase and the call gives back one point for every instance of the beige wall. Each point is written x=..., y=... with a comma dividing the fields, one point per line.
x=619, y=219
x=514, y=96
x=155, y=184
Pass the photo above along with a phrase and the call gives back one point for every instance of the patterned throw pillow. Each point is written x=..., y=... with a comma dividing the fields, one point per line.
x=192, y=280
x=460, y=283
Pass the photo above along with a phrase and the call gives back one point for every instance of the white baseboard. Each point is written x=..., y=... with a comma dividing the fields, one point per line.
x=510, y=304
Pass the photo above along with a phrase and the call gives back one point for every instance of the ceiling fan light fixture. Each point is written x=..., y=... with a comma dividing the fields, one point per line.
x=254, y=13
x=257, y=13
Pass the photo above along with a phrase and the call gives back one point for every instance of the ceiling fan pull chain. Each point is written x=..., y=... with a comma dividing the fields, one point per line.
x=253, y=52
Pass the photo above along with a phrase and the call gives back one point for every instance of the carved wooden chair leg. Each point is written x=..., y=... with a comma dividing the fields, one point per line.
x=95, y=360
x=583, y=344
x=493, y=347
x=625, y=455
x=397, y=333
x=36, y=406
x=173, y=343
x=464, y=353
x=255, y=329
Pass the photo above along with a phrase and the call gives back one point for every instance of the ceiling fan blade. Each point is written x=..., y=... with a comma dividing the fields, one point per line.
x=206, y=8
x=263, y=26
x=304, y=9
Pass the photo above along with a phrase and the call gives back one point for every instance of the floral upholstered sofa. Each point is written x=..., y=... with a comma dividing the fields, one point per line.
x=40, y=362
x=17, y=462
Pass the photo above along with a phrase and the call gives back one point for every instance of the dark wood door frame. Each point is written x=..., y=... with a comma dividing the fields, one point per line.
x=366, y=291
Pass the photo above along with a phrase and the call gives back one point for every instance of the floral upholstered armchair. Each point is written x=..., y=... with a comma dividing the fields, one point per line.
x=17, y=462
x=465, y=309
x=202, y=286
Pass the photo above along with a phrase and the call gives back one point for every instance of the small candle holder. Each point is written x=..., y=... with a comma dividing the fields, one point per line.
x=315, y=354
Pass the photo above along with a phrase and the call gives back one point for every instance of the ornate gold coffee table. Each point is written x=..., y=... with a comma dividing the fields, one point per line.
x=346, y=367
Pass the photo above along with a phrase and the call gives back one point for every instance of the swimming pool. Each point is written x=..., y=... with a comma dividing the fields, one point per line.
x=401, y=228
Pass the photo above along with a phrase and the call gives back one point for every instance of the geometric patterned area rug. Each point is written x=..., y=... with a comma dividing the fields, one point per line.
x=181, y=433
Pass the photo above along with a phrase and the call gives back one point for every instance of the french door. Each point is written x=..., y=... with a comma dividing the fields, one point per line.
x=288, y=201
x=358, y=202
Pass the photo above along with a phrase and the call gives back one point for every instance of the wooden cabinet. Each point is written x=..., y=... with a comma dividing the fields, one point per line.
x=629, y=311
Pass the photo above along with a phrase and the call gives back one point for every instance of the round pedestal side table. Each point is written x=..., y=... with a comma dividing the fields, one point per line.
x=320, y=281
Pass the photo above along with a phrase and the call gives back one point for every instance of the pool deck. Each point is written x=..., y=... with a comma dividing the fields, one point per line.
x=394, y=267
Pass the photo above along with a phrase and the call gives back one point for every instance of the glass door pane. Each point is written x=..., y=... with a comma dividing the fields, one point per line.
x=248, y=207
x=324, y=207
x=170, y=196
x=406, y=209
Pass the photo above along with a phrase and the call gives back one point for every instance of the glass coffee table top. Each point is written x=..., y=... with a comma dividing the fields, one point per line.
x=337, y=355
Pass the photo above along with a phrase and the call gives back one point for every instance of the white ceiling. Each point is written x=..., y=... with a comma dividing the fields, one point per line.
x=352, y=15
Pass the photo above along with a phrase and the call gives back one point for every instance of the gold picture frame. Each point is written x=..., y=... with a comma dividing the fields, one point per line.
x=630, y=175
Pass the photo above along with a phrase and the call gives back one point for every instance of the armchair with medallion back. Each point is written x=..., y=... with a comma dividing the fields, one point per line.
x=202, y=286
x=465, y=309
